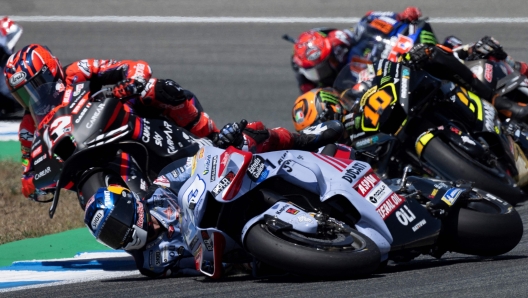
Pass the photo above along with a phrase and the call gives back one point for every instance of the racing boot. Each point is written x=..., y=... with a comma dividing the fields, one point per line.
x=515, y=110
x=314, y=137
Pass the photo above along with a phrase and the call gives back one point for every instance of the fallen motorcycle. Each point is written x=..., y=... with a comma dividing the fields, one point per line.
x=313, y=214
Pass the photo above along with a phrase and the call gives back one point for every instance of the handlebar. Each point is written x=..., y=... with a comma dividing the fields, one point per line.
x=107, y=92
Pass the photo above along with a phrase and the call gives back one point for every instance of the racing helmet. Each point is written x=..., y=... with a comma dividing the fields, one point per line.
x=35, y=79
x=316, y=106
x=313, y=55
x=117, y=218
x=10, y=33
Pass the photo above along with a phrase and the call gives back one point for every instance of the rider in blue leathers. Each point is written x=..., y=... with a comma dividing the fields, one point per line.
x=149, y=228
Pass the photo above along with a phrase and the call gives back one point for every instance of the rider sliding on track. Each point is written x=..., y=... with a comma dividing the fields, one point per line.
x=148, y=228
x=35, y=65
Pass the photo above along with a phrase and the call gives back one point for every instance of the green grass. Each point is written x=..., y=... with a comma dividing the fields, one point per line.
x=22, y=218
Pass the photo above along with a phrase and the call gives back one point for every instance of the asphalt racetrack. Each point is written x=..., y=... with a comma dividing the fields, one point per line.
x=241, y=70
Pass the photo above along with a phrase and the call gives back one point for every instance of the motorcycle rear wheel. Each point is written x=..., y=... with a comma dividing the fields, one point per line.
x=314, y=257
x=484, y=225
x=450, y=165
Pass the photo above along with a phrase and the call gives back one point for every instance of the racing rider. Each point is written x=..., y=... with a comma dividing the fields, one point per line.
x=320, y=53
x=489, y=48
x=10, y=32
x=34, y=66
x=437, y=60
x=148, y=228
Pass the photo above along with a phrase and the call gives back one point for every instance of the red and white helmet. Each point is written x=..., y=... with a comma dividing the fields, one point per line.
x=319, y=55
x=10, y=33
x=34, y=76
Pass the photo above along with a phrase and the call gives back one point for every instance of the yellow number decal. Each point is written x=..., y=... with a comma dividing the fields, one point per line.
x=374, y=107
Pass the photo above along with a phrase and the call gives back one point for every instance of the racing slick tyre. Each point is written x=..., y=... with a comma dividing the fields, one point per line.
x=343, y=256
x=451, y=165
x=481, y=225
x=95, y=180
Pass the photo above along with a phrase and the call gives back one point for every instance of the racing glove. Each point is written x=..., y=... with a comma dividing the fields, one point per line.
x=28, y=188
x=231, y=135
x=418, y=56
x=488, y=47
x=128, y=87
x=410, y=14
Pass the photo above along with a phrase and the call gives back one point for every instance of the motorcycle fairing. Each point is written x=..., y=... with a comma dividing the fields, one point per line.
x=329, y=176
x=374, y=44
x=166, y=139
x=287, y=213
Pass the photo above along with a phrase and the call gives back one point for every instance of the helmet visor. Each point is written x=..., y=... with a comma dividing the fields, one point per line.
x=119, y=227
x=39, y=95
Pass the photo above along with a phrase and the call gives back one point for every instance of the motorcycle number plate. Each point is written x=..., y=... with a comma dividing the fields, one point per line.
x=375, y=105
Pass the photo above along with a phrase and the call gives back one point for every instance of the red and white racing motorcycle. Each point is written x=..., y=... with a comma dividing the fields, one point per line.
x=314, y=214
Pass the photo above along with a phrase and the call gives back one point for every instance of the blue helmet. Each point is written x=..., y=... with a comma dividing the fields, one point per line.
x=117, y=218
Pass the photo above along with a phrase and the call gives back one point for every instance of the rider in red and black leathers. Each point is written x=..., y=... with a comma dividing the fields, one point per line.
x=131, y=77
x=104, y=72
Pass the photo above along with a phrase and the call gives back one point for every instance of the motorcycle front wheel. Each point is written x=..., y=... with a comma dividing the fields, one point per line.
x=346, y=254
x=482, y=225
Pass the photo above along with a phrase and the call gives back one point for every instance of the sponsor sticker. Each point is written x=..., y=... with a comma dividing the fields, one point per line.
x=213, y=167
x=37, y=151
x=17, y=78
x=378, y=194
x=223, y=184
x=488, y=74
x=420, y=224
x=162, y=180
x=354, y=172
x=42, y=173
x=96, y=220
x=140, y=215
x=405, y=215
x=207, y=164
x=389, y=205
x=452, y=195
x=255, y=168
x=292, y=211
x=366, y=184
